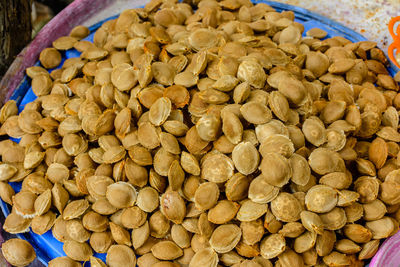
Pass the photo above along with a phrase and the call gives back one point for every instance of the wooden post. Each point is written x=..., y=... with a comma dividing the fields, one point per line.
x=15, y=30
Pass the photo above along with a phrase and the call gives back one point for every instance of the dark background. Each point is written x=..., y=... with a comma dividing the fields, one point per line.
x=55, y=5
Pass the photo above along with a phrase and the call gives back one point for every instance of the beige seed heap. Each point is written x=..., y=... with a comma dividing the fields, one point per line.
x=214, y=137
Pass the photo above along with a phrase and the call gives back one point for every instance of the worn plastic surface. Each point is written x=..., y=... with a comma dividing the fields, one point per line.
x=46, y=246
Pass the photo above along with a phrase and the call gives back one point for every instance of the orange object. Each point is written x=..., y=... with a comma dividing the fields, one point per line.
x=395, y=33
